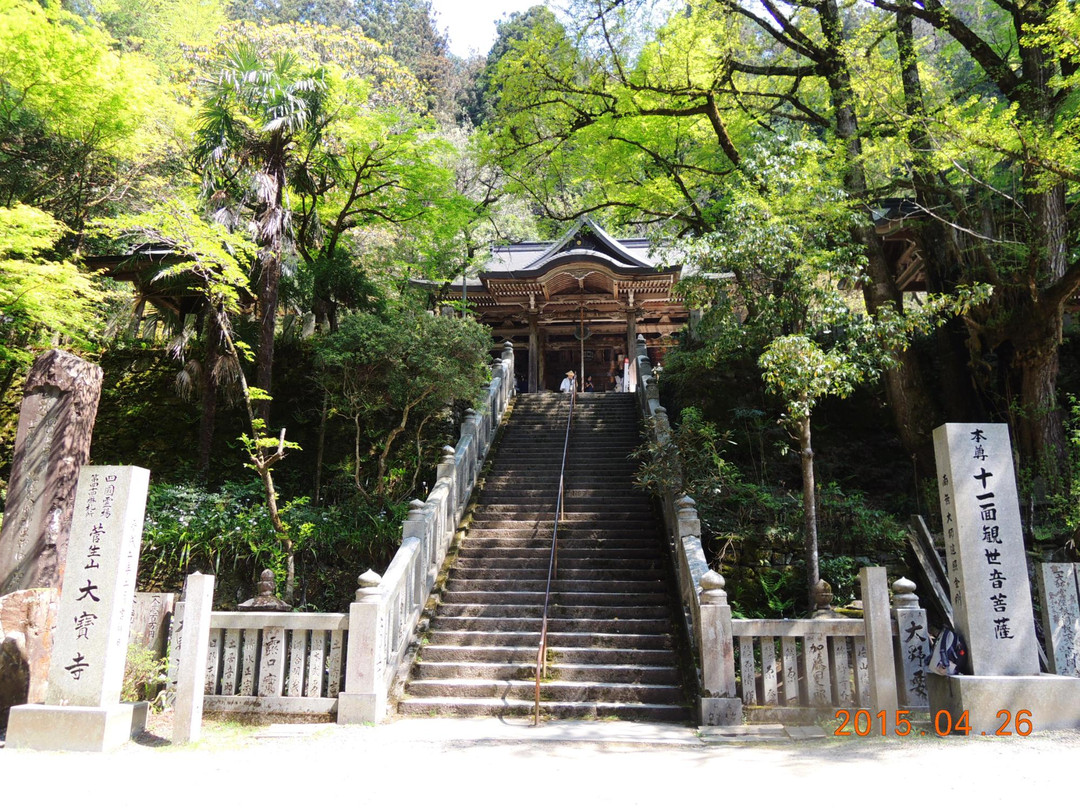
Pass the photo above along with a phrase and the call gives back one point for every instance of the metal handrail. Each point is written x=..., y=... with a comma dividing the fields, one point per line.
x=553, y=562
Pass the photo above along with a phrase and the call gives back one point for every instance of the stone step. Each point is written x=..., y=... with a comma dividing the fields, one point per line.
x=549, y=690
x=557, y=624
x=541, y=506
x=557, y=640
x=557, y=671
x=566, y=566
x=466, y=708
x=565, y=586
x=596, y=534
x=481, y=545
x=556, y=611
x=568, y=559
x=526, y=654
x=565, y=598
x=566, y=574
x=611, y=624
x=573, y=489
x=568, y=519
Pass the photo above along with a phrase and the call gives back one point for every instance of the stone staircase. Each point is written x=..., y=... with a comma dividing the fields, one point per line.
x=611, y=624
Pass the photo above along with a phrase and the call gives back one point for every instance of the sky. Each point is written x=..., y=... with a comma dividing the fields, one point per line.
x=471, y=23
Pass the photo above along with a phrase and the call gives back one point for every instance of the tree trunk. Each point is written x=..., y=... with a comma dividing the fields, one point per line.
x=941, y=263
x=1040, y=430
x=262, y=463
x=321, y=447
x=912, y=407
x=208, y=417
x=272, y=227
x=809, y=494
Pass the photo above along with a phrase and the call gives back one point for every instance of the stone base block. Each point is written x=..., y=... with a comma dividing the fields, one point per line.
x=720, y=712
x=140, y=711
x=991, y=701
x=71, y=729
x=360, y=708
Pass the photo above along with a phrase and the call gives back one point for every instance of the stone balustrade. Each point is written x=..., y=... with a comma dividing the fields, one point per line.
x=814, y=664
x=387, y=608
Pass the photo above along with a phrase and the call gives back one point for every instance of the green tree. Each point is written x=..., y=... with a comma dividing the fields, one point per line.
x=785, y=239
x=39, y=297
x=214, y=261
x=80, y=125
x=393, y=371
x=161, y=29
x=994, y=155
x=258, y=113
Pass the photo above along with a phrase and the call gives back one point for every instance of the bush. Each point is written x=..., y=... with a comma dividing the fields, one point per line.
x=228, y=533
x=752, y=531
x=144, y=674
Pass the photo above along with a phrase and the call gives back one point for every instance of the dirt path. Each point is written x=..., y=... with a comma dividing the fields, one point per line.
x=489, y=762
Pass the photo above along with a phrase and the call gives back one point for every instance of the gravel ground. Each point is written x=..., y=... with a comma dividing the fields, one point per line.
x=481, y=762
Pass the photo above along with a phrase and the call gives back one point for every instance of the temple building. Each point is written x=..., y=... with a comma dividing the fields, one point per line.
x=578, y=304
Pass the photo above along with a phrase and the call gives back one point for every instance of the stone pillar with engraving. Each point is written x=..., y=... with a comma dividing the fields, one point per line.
x=192, y=650
x=82, y=710
x=1061, y=616
x=990, y=591
x=56, y=422
x=912, y=645
x=984, y=546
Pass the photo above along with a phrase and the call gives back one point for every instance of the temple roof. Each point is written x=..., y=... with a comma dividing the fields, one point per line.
x=586, y=243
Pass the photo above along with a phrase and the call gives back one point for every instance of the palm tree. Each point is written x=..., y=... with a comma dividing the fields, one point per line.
x=258, y=111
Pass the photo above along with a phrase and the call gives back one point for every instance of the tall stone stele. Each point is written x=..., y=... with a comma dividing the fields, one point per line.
x=991, y=594
x=56, y=422
x=82, y=709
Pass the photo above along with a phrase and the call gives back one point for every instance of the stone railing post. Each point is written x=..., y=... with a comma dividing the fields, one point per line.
x=364, y=699
x=470, y=429
x=912, y=645
x=879, y=648
x=191, y=671
x=719, y=702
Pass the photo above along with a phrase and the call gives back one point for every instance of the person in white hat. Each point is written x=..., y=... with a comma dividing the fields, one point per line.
x=567, y=385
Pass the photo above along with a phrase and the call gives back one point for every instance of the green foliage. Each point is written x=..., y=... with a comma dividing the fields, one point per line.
x=39, y=298
x=1057, y=536
x=161, y=29
x=344, y=52
x=391, y=372
x=752, y=529
x=144, y=674
x=229, y=533
x=79, y=122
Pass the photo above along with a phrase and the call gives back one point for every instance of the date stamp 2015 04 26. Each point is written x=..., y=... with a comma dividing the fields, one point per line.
x=863, y=723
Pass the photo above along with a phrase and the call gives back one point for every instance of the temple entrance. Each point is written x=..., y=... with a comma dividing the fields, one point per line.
x=576, y=304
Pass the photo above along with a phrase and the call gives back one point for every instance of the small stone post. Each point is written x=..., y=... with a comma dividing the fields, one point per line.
x=912, y=645
x=879, y=653
x=719, y=702
x=364, y=699
x=194, y=644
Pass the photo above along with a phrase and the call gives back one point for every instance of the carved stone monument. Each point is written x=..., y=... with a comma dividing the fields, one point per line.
x=52, y=442
x=989, y=589
x=26, y=621
x=82, y=709
x=1061, y=617
x=150, y=618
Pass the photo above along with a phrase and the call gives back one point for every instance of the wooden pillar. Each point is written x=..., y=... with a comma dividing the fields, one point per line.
x=630, y=372
x=541, y=369
x=533, y=383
